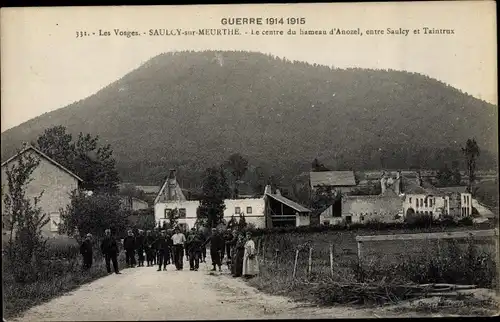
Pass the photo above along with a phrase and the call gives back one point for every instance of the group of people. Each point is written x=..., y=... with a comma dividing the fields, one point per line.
x=167, y=246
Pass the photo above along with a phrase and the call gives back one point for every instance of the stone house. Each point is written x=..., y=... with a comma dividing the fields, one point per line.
x=52, y=180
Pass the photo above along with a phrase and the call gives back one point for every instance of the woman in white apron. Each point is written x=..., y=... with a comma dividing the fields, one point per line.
x=250, y=262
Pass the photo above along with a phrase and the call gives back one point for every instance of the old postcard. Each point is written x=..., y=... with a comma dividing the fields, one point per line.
x=273, y=161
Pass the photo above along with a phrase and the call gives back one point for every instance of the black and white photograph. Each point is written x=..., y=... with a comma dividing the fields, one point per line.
x=250, y=161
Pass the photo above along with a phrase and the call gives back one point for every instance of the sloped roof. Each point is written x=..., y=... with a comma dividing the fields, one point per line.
x=288, y=202
x=57, y=164
x=411, y=187
x=460, y=189
x=332, y=178
x=178, y=191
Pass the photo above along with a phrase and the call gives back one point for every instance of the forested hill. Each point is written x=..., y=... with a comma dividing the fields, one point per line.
x=194, y=109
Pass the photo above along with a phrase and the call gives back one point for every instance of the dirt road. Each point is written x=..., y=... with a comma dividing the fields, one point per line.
x=144, y=294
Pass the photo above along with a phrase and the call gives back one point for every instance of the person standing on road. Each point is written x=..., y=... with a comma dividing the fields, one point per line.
x=140, y=242
x=109, y=248
x=193, y=245
x=163, y=250
x=238, y=253
x=178, y=240
x=216, y=248
x=149, y=248
x=250, y=263
x=230, y=238
x=129, y=244
x=86, y=251
x=170, y=258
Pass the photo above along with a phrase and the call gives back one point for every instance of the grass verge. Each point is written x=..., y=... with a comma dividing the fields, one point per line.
x=19, y=297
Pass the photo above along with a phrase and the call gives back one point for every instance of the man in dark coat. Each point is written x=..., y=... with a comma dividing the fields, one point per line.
x=163, y=248
x=109, y=248
x=150, y=252
x=216, y=248
x=86, y=251
x=230, y=238
x=129, y=244
x=194, y=244
x=140, y=242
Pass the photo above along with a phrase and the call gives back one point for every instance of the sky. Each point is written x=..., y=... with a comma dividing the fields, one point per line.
x=45, y=67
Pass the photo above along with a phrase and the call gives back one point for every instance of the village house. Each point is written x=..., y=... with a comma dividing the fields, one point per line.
x=423, y=198
x=55, y=182
x=268, y=210
x=401, y=198
x=385, y=207
x=336, y=181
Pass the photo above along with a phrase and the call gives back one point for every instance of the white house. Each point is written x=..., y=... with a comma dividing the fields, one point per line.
x=171, y=197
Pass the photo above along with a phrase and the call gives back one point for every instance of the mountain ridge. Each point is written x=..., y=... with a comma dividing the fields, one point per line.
x=272, y=110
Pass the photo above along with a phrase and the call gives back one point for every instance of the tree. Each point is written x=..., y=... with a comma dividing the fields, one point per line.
x=129, y=190
x=238, y=165
x=173, y=218
x=318, y=167
x=93, y=214
x=324, y=197
x=93, y=163
x=242, y=223
x=23, y=218
x=444, y=176
x=471, y=152
x=260, y=180
x=215, y=190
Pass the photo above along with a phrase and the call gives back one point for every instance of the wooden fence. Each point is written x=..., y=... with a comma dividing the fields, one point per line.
x=271, y=255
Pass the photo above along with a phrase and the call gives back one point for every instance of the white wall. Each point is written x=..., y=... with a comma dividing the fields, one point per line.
x=256, y=217
x=303, y=220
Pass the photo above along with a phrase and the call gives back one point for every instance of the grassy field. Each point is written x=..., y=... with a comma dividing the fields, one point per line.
x=393, y=262
x=60, y=274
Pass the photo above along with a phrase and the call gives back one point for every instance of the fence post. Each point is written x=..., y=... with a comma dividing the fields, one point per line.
x=258, y=246
x=295, y=265
x=310, y=260
x=331, y=259
x=360, y=251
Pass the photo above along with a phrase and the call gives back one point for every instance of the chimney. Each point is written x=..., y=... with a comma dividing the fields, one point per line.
x=267, y=189
x=172, y=182
x=419, y=179
x=278, y=192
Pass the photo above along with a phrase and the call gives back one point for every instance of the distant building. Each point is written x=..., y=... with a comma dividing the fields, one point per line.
x=54, y=180
x=336, y=181
x=385, y=207
x=133, y=203
x=256, y=210
x=424, y=199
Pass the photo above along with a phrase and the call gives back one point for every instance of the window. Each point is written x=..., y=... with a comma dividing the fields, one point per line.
x=430, y=202
x=425, y=202
x=410, y=200
x=430, y=213
x=167, y=211
x=362, y=218
x=182, y=213
x=348, y=219
x=237, y=210
x=421, y=202
x=249, y=210
x=326, y=222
